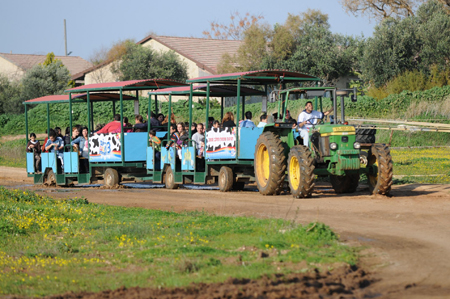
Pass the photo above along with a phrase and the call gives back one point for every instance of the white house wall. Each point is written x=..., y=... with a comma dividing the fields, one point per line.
x=10, y=70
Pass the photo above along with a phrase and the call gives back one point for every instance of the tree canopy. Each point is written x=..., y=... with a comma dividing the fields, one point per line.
x=140, y=62
x=49, y=78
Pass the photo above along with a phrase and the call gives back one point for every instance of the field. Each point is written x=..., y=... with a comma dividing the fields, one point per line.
x=50, y=247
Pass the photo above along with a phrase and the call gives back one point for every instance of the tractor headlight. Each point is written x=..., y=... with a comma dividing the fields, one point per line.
x=356, y=145
x=333, y=145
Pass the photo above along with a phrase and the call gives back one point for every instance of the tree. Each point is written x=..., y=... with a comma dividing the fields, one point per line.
x=381, y=9
x=321, y=53
x=140, y=62
x=49, y=78
x=10, y=96
x=434, y=33
x=250, y=54
x=235, y=30
x=393, y=49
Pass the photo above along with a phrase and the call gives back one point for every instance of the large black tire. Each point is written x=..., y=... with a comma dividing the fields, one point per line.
x=110, y=177
x=169, y=179
x=365, y=138
x=380, y=182
x=301, y=172
x=365, y=131
x=270, y=164
x=346, y=183
x=226, y=179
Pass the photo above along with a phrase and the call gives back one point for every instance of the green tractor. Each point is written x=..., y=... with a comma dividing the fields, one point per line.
x=332, y=151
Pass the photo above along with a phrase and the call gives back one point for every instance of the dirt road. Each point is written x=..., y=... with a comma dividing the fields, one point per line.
x=407, y=235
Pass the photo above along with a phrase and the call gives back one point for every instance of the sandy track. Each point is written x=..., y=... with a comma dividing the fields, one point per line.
x=407, y=235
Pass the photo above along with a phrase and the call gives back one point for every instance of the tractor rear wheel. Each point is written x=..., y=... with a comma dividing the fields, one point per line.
x=169, y=179
x=380, y=178
x=301, y=172
x=111, y=177
x=226, y=179
x=346, y=183
x=270, y=164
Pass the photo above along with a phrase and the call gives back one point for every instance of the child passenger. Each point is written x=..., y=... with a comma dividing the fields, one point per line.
x=156, y=143
x=34, y=146
x=55, y=145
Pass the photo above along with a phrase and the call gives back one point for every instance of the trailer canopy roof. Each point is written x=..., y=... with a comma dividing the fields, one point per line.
x=127, y=85
x=79, y=97
x=215, y=91
x=260, y=77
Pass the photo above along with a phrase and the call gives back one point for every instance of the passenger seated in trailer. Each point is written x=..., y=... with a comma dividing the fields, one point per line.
x=55, y=144
x=262, y=121
x=98, y=127
x=194, y=128
x=184, y=135
x=210, y=121
x=156, y=143
x=216, y=124
x=139, y=125
x=113, y=127
x=127, y=127
x=154, y=122
x=160, y=118
x=58, y=132
x=81, y=144
x=228, y=120
x=247, y=123
x=34, y=146
x=45, y=142
x=172, y=119
x=199, y=139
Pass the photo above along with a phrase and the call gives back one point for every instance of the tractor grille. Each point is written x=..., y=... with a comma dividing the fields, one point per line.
x=348, y=159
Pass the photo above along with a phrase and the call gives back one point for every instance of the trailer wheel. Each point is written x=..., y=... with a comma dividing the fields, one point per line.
x=110, y=177
x=380, y=180
x=270, y=163
x=170, y=179
x=226, y=179
x=51, y=178
x=345, y=183
x=301, y=172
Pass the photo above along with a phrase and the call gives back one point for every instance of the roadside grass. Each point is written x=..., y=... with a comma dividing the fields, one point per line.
x=13, y=153
x=55, y=246
x=422, y=165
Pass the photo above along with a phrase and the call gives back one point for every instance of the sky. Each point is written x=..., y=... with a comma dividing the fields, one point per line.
x=37, y=26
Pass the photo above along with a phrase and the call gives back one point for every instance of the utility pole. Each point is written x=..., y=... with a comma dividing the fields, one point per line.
x=65, y=37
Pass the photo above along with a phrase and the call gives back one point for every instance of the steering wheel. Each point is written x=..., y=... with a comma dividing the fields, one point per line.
x=320, y=121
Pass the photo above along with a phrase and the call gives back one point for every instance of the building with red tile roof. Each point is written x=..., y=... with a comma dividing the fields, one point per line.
x=14, y=66
x=201, y=56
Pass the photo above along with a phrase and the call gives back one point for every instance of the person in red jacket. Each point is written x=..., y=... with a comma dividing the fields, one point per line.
x=112, y=127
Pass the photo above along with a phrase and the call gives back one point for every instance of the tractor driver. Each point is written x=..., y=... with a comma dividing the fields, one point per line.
x=307, y=118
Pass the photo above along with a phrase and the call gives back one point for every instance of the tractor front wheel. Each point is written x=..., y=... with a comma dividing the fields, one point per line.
x=270, y=164
x=301, y=172
x=380, y=175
